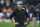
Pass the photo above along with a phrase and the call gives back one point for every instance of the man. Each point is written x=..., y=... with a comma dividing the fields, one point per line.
x=39, y=13
x=34, y=16
x=19, y=16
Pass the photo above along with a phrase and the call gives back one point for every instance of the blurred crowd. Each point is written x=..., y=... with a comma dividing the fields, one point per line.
x=8, y=6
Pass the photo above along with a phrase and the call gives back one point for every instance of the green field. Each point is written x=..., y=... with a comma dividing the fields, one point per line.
x=6, y=24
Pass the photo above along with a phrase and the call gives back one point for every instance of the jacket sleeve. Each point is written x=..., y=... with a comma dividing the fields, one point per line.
x=26, y=14
x=12, y=15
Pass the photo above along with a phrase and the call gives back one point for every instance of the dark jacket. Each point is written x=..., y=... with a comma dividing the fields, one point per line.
x=19, y=15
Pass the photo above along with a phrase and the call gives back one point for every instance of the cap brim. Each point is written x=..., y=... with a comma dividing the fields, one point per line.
x=20, y=4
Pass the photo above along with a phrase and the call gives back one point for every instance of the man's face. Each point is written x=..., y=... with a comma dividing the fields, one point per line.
x=19, y=6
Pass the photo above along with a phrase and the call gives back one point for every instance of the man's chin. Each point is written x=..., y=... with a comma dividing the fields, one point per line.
x=20, y=7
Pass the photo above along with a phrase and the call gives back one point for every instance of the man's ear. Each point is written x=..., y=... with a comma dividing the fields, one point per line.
x=17, y=5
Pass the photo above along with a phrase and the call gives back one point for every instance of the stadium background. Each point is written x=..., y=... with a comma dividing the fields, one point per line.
x=8, y=6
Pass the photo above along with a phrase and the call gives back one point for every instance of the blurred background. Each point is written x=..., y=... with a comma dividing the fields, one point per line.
x=8, y=6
